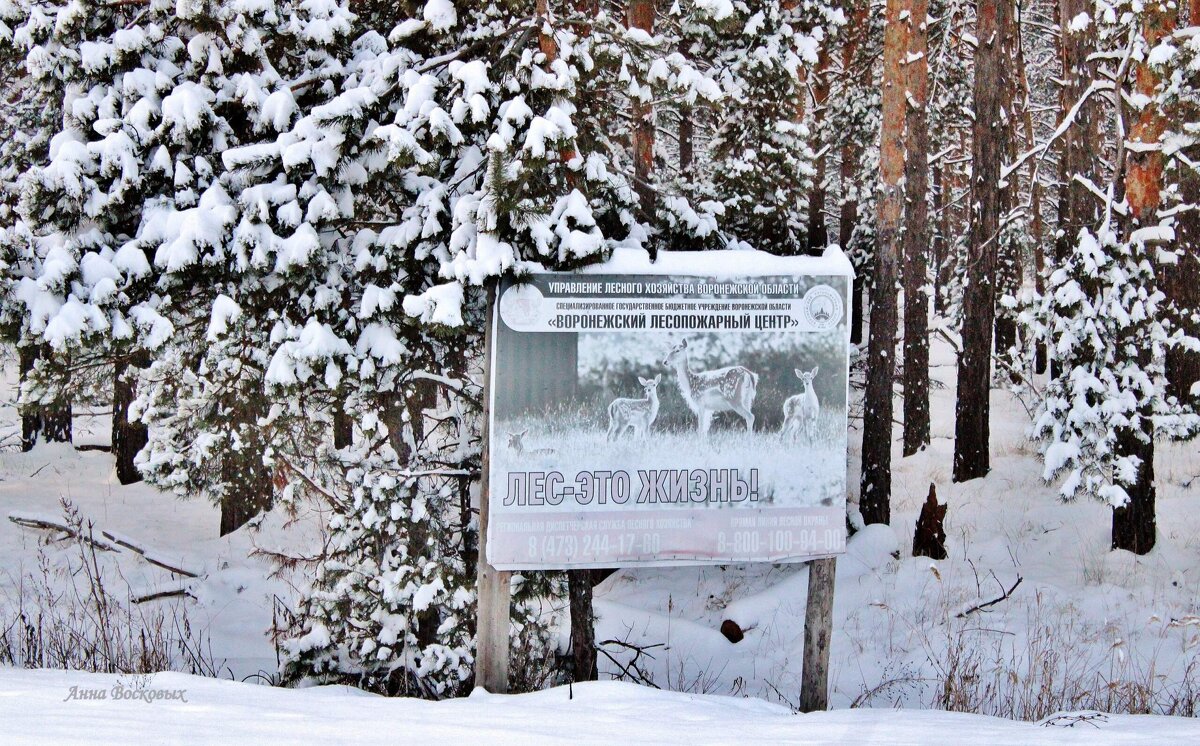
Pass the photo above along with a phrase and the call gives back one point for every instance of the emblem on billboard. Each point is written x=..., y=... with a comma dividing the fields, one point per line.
x=521, y=306
x=823, y=307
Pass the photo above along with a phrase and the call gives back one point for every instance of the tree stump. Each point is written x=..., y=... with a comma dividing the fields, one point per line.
x=930, y=537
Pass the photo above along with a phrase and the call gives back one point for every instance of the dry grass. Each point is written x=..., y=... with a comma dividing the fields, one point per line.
x=1051, y=668
x=67, y=615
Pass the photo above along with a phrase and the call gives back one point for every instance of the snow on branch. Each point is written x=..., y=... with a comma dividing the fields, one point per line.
x=1061, y=130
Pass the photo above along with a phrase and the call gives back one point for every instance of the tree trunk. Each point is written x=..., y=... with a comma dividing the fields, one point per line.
x=941, y=238
x=246, y=498
x=818, y=233
x=1181, y=282
x=1037, y=226
x=583, y=629
x=916, y=236
x=973, y=409
x=640, y=14
x=128, y=438
x=1077, y=208
x=687, y=139
x=1008, y=275
x=31, y=416
x=875, y=499
x=1134, y=524
x=248, y=487
x=343, y=427
x=49, y=423
x=848, y=213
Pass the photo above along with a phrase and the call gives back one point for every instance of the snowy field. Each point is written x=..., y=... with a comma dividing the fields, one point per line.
x=1085, y=629
x=33, y=710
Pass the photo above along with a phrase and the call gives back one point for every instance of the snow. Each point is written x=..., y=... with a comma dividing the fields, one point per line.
x=440, y=304
x=41, y=707
x=224, y=310
x=440, y=15
x=718, y=10
x=724, y=263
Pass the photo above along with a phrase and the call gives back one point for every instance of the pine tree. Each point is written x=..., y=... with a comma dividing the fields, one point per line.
x=916, y=238
x=875, y=499
x=492, y=153
x=764, y=56
x=973, y=409
x=1105, y=317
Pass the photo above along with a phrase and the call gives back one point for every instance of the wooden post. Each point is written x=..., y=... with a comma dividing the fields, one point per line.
x=818, y=629
x=491, y=630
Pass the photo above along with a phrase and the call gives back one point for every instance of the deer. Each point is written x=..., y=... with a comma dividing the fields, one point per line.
x=800, y=412
x=707, y=392
x=638, y=414
x=516, y=442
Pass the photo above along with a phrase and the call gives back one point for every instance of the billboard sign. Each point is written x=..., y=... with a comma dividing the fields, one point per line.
x=670, y=418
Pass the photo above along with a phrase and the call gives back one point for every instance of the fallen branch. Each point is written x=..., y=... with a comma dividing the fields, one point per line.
x=44, y=524
x=119, y=541
x=981, y=606
x=631, y=670
x=168, y=593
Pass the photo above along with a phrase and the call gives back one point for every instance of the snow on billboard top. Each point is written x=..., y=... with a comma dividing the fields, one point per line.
x=689, y=411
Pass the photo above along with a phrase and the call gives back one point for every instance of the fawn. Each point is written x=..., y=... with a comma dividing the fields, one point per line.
x=638, y=414
x=800, y=411
x=707, y=392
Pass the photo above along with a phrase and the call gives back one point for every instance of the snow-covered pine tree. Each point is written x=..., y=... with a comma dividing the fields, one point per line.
x=128, y=208
x=244, y=270
x=1104, y=315
x=1101, y=309
x=765, y=51
x=483, y=134
x=26, y=122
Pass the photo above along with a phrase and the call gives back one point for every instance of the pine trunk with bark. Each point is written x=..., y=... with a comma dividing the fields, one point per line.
x=1134, y=524
x=941, y=238
x=848, y=212
x=875, y=499
x=1079, y=159
x=973, y=406
x=128, y=438
x=583, y=627
x=1181, y=281
x=640, y=15
x=343, y=427
x=249, y=486
x=818, y=233
x=916, y=235
x=1037, y=224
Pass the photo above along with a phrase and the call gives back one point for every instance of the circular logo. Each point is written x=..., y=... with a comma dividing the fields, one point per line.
x=521, y=306
x=822, y=307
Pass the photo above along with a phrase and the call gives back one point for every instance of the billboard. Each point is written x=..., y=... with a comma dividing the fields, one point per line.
x=668, y=419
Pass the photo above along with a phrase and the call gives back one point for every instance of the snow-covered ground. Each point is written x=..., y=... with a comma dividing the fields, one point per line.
x=1086, y=628
x=39, y=707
